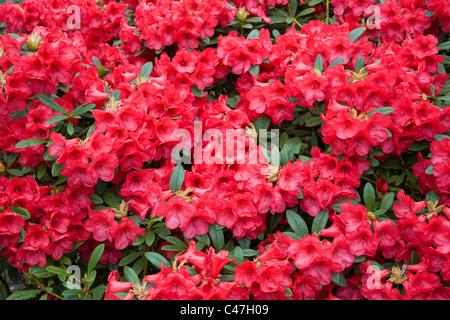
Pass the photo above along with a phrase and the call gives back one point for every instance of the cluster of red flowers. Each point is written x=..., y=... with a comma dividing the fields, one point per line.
x=101, y=23
x=440, y=169
x=165, y=22
x=103, y=101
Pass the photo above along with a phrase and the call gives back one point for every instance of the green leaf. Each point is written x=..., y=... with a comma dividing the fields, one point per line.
x=253, y=34
x=102, y=72
x=387, y=201
x=313, y=122
x=40, y=272
x=318, y=63
x=290, y=148
x=197, y=92
x=379, y=212
x=83, y=109
x=291, y=235
x=177, y=242
x=29, y=142
x=111, y=199
x=97, y=62
x=217, y=236
x=70, y=128
x=254, y=70
x=444, y=46
x=131, y=275
x=356, y=33
x=56, y=119
x=249, y=252
x=288, y=292
x=297, y=223
x=445, y=98
x=253, y=20
x=293, y=5
x=116, y=95
x=277, y=19
x=432, y=196
x=262, y=122
x=238, y=254
x=419, y=146
x=177, y=178
x=338, y=279
x=293, y=145
x=314, y=140
x=95, y=257
x=149, y=238
x=369, y=196
x=440, y=137
x=23, y=294
x=48, y=101
x=57, y=270
x=359, y=64
x=139, y=239
x=146, y=70
x=306, y=12
x=129, y=258
x=336, y=62
x=383, y=110
x=275, y=157
x=319, y=222
x=21, y=211
x=96, y=198
x=156, y=259
x=275, y=33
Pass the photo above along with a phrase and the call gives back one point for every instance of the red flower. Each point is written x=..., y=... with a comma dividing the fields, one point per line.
x=125, y=232
x=305, y=287
x=100, y=223
x=10, y=222
x=175, y=212
x=115, y=286
x=36, y=237
x=246, y=273
x=305, y=251
x=362, y=242
x=407, y=205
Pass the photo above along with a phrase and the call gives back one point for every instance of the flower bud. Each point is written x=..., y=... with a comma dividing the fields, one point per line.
x=34, y=40
x=242, y=14
x=2, y=78
x=382, y=186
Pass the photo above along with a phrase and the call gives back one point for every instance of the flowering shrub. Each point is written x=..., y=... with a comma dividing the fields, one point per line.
x=225, y=149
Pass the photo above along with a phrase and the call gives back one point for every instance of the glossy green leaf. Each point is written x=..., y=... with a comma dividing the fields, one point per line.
x=29, y=142
x=356, y=33
x=369, y=196
x=217, y=236
x=297, y=223
x=20, y=211
x=146, y=70
x=23, y=294
x=177, y=178
x=50, y=102
x=95, y=257
x=319, y=222
x=156, y=259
